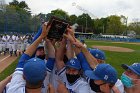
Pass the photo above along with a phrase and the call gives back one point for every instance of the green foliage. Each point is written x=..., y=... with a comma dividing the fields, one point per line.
x=73, y=19
x=114, y=25
x=100, y=25
x=19, y=14
x=60, y=13
x=21, y=5
x=134, y=27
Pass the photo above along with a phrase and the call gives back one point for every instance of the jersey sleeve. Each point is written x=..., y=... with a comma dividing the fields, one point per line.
x=120, y=86
x=17, y=83
x=84, y=63
x=22, y=61
x=62, y=74
x=35, y=37
x=38, y=34
x=50, y=64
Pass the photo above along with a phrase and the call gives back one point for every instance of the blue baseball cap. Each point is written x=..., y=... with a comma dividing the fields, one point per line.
x=40, y=47
x=99, y=54
x=74, y=63
x=83, y=41
x=103, y=72
x=134, y=67
x=34, y=70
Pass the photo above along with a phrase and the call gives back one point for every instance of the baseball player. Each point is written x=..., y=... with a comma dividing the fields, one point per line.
x=14, y=46
x=131, y=78
x=19, y=42
x=0, y=45
x=70, y=74
x=89, y=61
x=11, y=45
x=4, y=44
x=34, y=71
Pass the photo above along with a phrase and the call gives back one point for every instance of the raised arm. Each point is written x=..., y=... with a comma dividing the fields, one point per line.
x=32, y=48
x=60, y=50
x=69, y=50
x=38, y=34
x=51, y=54
x=91, y=60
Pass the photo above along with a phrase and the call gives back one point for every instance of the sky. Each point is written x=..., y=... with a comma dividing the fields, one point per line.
x=95, y=8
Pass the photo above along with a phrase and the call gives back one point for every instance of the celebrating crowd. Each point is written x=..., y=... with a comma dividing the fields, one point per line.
x=68, y=66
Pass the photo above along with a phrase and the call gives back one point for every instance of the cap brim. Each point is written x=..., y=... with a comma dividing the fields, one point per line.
x=124, y=66
x=40, y=47
x=91, y=75
x=72, y=67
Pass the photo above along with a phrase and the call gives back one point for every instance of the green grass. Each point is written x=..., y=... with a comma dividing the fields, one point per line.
x=118, y=58
x=9, y=70
x=113, y=58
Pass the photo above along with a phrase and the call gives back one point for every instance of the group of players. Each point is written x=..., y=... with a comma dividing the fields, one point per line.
x=68, y=66
x=14, y=44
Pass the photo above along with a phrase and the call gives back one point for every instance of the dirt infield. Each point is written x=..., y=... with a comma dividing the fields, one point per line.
x=113, y=48
x=5, y=61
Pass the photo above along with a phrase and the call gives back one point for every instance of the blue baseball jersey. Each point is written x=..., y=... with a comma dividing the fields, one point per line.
x=17, y=84
x=84, y=63
x=79, y=86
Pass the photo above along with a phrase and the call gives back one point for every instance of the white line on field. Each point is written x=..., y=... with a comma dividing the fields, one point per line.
x=4, y=58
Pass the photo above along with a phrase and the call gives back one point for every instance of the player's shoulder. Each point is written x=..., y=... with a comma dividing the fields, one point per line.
x=81, y=82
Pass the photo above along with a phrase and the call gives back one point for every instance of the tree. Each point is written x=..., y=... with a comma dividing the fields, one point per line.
x=60, y=13
x=73, y=19
x=114, y=25
x=100, y=25
x=14, y=3
x=134, y=26
x=23, y=5
x=86, y=22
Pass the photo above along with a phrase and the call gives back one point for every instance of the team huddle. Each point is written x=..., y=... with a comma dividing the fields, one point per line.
x=67, y=66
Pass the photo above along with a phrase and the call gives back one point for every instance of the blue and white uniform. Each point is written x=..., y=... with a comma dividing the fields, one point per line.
x=79, y=86
x=85, y=66
x=17, y=84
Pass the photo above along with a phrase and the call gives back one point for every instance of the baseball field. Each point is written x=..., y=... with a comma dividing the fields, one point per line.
x=117, y=53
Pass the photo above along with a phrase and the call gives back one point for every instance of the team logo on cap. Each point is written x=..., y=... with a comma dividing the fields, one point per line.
x=72, y=62
x=35, y=59
x=106, y=77
x=135, y=64
x=96, y=55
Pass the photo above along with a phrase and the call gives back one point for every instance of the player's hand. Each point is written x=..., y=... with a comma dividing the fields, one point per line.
x=70, y=35
x=45, y=30
x=49, y=42
x=61, y=88
x=71, y=31
x=78, y=44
